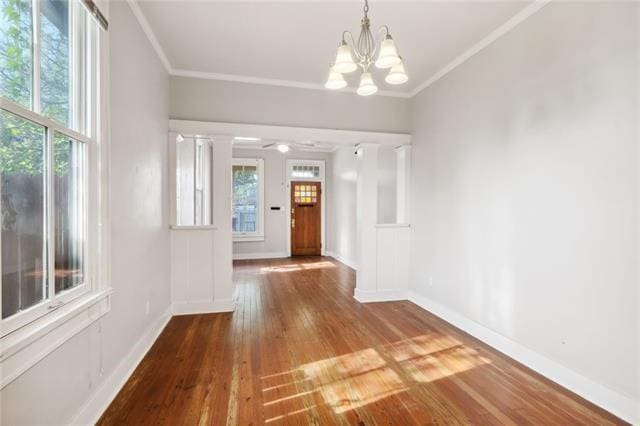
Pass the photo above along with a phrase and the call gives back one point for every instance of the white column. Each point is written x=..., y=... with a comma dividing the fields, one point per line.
x=223, y=244
x=367, y=218
x=403, y=170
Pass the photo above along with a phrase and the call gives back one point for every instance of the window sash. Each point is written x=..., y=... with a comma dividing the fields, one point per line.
x=258, y=163
x=83, y=103
x=52, y=300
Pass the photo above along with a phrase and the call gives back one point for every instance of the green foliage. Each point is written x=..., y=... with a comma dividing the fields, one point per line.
x=22, y=148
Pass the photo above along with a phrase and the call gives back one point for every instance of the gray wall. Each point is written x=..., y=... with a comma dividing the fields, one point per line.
x=210, y=100
x=276, y=193
x=53, y=390
x=525, y=167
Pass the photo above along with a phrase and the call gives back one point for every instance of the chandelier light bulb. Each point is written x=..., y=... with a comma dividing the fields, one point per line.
x=397, y=74
x=388, y=56
x=335, y=81
x=367, y=86
x=283, y=148
x=344, y=61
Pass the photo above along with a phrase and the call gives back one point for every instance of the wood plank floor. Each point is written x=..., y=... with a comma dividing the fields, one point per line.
x=300, y=350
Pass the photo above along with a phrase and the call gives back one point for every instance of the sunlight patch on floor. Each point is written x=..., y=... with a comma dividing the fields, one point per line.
x=295, y=267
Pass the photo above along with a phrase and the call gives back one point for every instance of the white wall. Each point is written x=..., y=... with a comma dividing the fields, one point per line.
x=525, y=162
x=211, y=100
x=342, y=237
x=276, y=193
x=53, y=391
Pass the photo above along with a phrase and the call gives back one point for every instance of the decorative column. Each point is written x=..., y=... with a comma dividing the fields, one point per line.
x=367, y=218
x=223, y=244
x=403, y=182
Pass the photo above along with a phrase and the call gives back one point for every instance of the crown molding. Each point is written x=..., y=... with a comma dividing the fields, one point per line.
x=503, y=29
x=274, y=82
x=142, y=20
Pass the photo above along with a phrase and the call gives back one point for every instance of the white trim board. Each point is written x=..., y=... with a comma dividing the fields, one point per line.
x=262, y=255
x=97, y=404
x=503, y=29
x=203, y=307
x=378, y=296
x=349, y=262
x=275, y=82
x=616, y=403
x=287, y=133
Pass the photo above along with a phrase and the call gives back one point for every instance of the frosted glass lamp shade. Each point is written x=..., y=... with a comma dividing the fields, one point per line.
x=388, y=56
x=335, y=81
x=367, y=86
x=283, y=148
x=397, y=75
x=344, y=61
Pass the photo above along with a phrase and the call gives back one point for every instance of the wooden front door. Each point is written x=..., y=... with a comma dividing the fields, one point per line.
x=305, y=218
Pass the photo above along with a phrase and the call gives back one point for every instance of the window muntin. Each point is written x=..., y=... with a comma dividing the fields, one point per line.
x=194, y=195
x=247, y=194
x=48, y=64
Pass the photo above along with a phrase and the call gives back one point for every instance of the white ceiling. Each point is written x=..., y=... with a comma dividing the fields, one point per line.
x=294, y=42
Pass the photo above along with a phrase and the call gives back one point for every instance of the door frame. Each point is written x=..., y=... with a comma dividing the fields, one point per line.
x=323, y=200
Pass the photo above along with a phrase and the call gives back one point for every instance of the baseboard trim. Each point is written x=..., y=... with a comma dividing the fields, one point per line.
x=203, y=307
x=350, y=263
x=265, y=255
x=91, y=411
x=378, y=296
x=620, y=405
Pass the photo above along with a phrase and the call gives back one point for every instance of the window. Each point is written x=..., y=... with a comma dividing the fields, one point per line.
x=248, y=199
x=305, y=171
x=47, y=132
x=193, y=181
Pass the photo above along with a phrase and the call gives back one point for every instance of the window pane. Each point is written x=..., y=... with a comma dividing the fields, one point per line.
x=70, y=211
x=193, y=182
x=54, y=60
x=16, y=61
x=185, y=174
x=245, y=198
x=22, y=161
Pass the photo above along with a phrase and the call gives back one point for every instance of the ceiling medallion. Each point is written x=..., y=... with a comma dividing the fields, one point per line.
x=364, y=51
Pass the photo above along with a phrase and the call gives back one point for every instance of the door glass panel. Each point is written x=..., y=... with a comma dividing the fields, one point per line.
x=24, y=242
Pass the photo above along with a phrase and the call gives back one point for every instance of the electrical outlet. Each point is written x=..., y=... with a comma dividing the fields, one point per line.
x=147, y=308
x=430, y=281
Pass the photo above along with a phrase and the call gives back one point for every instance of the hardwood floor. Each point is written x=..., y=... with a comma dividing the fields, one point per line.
x=300, y=350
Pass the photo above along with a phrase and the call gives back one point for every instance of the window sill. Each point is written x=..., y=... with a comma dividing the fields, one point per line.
x=23, y=348
x=247, y=238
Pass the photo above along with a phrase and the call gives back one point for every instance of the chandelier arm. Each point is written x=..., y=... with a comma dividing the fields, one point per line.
x=354, y=46
x=380, y=39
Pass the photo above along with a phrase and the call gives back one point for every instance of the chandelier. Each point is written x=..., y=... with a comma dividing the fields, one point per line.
x=364, y=51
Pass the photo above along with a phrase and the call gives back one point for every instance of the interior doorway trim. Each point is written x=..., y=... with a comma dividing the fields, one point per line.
x=323, y=198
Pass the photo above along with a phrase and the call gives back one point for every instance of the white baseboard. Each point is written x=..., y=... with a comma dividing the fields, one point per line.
x=203, y=307
x=620, y=405
x=91, y=411
x=264, y=255
x=378, y=296
x=350, y=263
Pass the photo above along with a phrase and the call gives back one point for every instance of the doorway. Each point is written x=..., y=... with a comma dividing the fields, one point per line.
x=306, y=218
